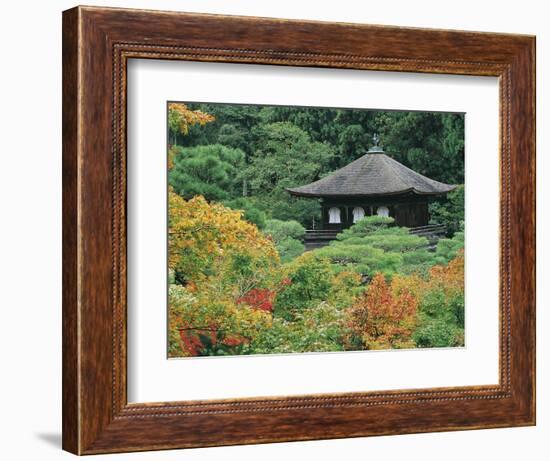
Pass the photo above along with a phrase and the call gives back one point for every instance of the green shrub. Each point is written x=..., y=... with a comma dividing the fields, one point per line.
x=447, y=249
x=366, y=226
x=374, y=244
x=394, y=240
x=364, y=259
x=316, y=329
x=418, y=261
x=250, y=210
x=287, y=236
x=282, y=230
x=290, y=249
x=279, y=205
x=441, y=320
x=308, y=283
x=434, y=332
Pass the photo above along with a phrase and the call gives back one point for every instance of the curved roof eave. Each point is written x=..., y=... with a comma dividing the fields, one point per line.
x=411, y=190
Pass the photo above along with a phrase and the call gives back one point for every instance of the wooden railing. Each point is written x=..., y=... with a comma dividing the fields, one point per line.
x=436, y=230
x=319, y=238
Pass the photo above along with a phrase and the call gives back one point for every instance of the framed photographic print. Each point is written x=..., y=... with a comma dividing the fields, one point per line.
x=284, y=230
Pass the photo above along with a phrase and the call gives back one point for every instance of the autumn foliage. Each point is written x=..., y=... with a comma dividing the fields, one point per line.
x=259, y=298
x=410, y=311
x=383, y=317
x=180, y=118
x=202, y=235
x=230, y=294
x=223, y=267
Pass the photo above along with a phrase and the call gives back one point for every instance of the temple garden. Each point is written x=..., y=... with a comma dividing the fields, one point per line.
x=313, y=230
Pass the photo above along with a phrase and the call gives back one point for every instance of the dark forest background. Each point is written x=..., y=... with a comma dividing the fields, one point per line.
x=249, y=154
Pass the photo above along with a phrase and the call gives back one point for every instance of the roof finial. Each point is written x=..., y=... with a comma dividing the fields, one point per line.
x=375, y=147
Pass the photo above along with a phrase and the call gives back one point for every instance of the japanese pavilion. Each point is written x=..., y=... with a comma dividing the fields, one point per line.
x=374, y=184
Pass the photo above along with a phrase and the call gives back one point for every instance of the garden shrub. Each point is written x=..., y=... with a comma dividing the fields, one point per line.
x=250, y=210
x=447, y=249
x=290, y=249
x=441, y=305
x=316, y=329
x=438, y=323
x=308, y=283
x=287, y=236
x=282, y=230
x=366, y=226
x=374, y=245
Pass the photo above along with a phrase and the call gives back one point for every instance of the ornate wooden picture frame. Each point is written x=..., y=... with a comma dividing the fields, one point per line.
x=97, y=44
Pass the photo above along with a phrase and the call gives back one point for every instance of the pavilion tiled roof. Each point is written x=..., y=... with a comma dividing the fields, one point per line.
x=373, y=174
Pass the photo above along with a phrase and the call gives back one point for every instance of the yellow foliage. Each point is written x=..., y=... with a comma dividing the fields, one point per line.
x=221, y=257
x=211, y=230
x=180, y=118
x=201, y=311
x=186, y=117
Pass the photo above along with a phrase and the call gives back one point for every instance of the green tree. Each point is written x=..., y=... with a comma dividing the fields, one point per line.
x=282, y=230
x=233, y=126
x=441, y=312
x=428, y=142
x=286, y=157
x=181, y=118
x=316, y=329
x=352, y=143
x=349, y=131
x=209, y=171
x=449, y=211
x=308, y=283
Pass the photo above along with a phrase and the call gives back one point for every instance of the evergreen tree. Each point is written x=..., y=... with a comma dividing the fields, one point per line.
x=210, y=171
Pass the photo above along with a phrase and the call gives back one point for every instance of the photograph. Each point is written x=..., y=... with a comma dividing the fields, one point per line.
x=313, y=229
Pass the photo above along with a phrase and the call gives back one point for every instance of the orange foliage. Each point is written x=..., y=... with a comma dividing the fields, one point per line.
x=449, y=278
x=383, y=317
x=196, y=321
x=191, y=340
